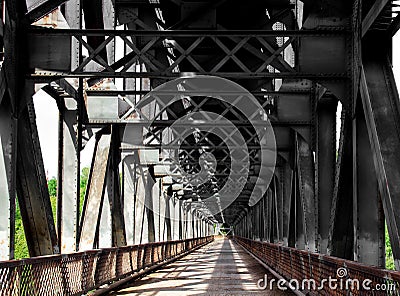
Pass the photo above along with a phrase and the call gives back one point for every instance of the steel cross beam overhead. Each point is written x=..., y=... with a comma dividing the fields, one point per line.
x=204, y=115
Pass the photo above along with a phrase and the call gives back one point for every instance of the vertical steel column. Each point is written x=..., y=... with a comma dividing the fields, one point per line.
x=104, y=231
x=148, y=204
x=69, y=190
x=169, y=214
x=380, y=100
x=307, y=203
x=181, y=219
x=33, y=194
x=286, y=185
x=129, y=194
x=12, y=98
x=8, y=145
x=68, y=169
x=140, y=218
x=155, y=208
x=94, y=198
x=325, y=166
x=275, y=209
x=267, y=209
x=293, y=212
x=368, y=218
x=279, y=203
x=341, y=238
x=176, y=218
x=117, y=214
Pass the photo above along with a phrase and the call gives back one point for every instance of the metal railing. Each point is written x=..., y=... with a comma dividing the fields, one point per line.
x=78, y=273
x=298, y=267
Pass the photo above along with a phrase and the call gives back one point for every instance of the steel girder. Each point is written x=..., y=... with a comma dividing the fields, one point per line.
x=325, y=166
x=341, y=232
x=380, y=105
x=7, y=174
x=301, y=219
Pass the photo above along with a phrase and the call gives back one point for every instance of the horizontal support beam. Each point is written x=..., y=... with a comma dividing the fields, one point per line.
x=50, y=76
x=189, y=33
x=167, y=123
x=102, y=93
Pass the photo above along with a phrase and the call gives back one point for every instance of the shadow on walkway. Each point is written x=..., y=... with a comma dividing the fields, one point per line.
x=220, y=268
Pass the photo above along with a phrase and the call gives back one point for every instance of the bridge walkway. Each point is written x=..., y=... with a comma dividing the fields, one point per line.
x=219, y=268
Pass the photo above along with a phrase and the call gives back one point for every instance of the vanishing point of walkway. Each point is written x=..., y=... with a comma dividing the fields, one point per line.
x=220, y=268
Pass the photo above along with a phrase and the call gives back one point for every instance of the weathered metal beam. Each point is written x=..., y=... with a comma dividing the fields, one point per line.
x=325, y=166
x=12, y=95
x=15, y=52
x=168, y=214
x=341, y=238
x=296, y=237
x=94, y=197
x=39, y=8
x=382, y=114
x=67, y=185
x=149, y=207
x=33, y=194
x=48, y=77
x=129, y=196
x=285, y=185
x=8, y=145
x=3, y=84
x=140, y=226
x=190, y=33
x=114, y=191
x=368, y=220
x=307, y=202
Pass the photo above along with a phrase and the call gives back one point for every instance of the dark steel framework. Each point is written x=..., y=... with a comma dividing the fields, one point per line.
x=298, y=58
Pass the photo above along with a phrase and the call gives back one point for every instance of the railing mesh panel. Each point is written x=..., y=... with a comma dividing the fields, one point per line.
x=78, y=273
x=299, y=265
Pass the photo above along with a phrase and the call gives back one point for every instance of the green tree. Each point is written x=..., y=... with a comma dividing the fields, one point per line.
x=389, y=253
x=83, y=184
x=52, y=184
x=21, y=247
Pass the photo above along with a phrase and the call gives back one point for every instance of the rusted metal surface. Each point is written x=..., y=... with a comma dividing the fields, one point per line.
x=294, y=264
x=78, y=273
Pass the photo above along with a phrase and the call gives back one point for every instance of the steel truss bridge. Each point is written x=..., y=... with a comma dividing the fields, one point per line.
x=142, y=80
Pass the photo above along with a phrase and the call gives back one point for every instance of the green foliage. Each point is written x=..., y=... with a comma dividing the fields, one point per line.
x=52, y=184
x=83, y=185
x=389, y=253
x=21, y=248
